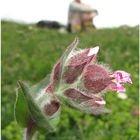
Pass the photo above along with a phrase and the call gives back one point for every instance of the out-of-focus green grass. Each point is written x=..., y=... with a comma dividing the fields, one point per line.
x=29, y=53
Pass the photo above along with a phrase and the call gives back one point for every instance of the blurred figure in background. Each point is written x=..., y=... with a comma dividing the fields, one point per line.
x=80, y=16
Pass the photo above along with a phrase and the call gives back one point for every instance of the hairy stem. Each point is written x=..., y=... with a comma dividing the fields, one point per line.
x=29, y=131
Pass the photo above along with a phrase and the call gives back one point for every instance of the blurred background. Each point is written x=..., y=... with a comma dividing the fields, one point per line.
x=111, y=13
x=30, y=51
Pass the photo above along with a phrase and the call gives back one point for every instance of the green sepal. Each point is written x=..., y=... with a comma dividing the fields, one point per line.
x=21, y=111
x=33, y=106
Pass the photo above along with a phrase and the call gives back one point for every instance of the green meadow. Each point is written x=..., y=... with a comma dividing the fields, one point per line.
x=28, y=53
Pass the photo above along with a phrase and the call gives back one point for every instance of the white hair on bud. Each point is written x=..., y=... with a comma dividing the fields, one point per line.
x=73, y=53
x=41, y=93
x=105, y=66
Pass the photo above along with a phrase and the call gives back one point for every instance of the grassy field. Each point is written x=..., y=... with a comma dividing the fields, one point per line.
x=29, y=53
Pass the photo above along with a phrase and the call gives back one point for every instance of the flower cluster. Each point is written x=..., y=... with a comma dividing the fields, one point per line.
x=78, y=80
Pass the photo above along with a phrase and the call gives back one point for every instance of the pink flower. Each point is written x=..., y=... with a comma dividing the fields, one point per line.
x=120, y=78
x=118, y=87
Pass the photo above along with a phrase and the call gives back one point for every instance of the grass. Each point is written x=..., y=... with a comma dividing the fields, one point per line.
x=29, y=53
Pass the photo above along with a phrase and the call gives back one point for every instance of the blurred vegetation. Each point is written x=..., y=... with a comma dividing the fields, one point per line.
x=29, y=53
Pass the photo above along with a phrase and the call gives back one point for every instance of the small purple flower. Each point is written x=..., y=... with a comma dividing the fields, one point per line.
x=120, y=78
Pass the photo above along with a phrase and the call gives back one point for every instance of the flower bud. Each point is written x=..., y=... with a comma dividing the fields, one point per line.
x=84, y=102
x=81, y=80
x=57, y=71
x=55, y=76
x=76, y=95
x=96, y=78
x=77, y=62
x=82, y=97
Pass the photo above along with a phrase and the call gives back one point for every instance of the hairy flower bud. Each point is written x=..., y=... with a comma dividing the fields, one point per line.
x=76, y=95
x=81, y=97
x=96, y=78
x=55, y=76
x=79, y=80
x=84, y=80
x=77, y=62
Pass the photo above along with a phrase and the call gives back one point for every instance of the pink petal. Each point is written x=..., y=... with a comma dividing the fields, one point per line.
x=122, y=76
x=127, y=80
x=121, y=89
x=118, y=88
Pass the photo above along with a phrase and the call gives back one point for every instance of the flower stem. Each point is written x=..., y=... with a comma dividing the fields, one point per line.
x=29, y=131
